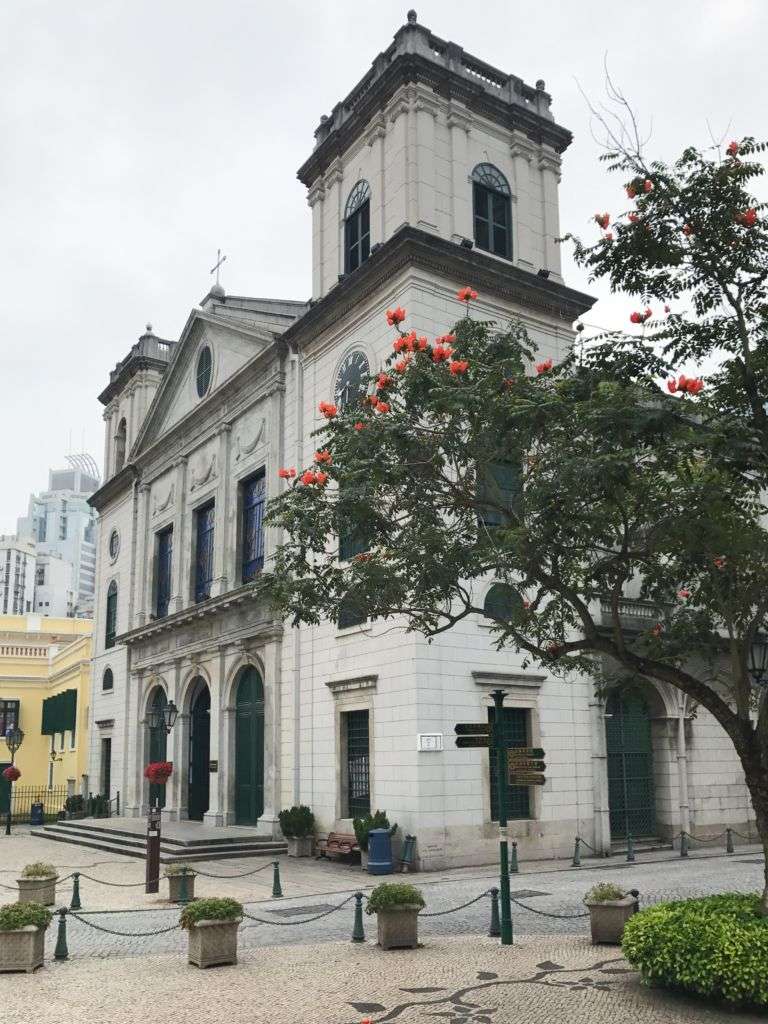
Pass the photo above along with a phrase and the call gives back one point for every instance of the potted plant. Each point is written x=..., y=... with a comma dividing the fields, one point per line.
x=158, y=772
x=38, y=884
x=363, y=826
x=298, y=825
x=396, y=906
x=212, y=925
x=174, y=873
x=610, y=907
x=22, y=936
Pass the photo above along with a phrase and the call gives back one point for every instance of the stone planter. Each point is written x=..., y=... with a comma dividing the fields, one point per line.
x=38, y=890
x=398, y=927
x=174, y=887
x=22, y=949
x=608, y=917
x=300, y=846
x=213, y=943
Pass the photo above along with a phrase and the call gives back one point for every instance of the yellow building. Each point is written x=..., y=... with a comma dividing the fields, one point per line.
x=44, y=690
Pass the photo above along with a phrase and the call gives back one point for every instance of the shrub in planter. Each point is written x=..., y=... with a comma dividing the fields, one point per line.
x=174, y=874
x=212, y=925
x=610, y=907
x=22, y=936
x=396, y=906
x=716, y=947
x=363, y=826
x=38, y=884
x=298, y=826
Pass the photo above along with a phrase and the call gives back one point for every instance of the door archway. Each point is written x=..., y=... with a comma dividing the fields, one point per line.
x=158, y=744
x=249, y=747
x=198, y=789
x=631, y=796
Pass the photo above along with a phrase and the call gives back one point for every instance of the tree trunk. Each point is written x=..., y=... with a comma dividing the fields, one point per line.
x=757, y=783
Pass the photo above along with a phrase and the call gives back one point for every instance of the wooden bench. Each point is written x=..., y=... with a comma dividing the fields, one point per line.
x=338, y=844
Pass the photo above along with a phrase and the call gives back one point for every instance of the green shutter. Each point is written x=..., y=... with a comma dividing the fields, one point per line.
x=59, y=713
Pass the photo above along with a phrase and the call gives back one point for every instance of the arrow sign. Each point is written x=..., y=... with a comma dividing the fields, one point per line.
x=472, y=729
x=527, y=779
x=523, y=767
x=472, y=741
x=526, y=752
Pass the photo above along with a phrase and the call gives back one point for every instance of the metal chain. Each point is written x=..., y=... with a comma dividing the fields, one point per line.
x=207, y=874
x=703, y=839
x=15, y=888
x=128, y=935
x=439, y=913
x=749, y=838
x=585, y=843
x=119, y=885
x=544, y=913
x=307, y=920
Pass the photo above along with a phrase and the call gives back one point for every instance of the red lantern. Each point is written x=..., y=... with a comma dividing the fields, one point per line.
x=11, y=773
x=158, y=772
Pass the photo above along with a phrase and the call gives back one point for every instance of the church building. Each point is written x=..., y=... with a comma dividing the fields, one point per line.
x=436, y=171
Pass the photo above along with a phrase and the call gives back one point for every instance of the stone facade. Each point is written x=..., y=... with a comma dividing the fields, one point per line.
x=414, y=129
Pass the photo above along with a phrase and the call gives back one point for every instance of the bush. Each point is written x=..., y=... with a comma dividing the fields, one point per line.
x=179, y=869
x=18, y=915
x=74, y=804
x=297, y=822
x=715, y=947
x=39, y=870
x=363, y=826
x=604, y=891
x=213, y=909
x=394, y=894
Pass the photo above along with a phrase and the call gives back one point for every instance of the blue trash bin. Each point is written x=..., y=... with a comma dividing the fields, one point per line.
x=36, y=816
x=379, y=852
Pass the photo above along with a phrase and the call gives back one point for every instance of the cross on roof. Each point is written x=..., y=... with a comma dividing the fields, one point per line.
x=219, y=260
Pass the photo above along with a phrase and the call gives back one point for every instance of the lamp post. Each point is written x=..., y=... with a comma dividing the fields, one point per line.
x=757, y=663
x=157, y=718
x=14, y=737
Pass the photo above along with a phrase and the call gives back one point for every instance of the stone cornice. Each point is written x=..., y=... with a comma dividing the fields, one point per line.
x=520, y=680
x=351, y=684
x=113, y=487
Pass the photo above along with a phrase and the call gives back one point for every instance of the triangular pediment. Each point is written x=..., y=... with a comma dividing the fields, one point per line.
x=231, y=346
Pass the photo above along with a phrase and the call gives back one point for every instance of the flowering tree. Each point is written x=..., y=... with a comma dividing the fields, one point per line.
x=616, y=473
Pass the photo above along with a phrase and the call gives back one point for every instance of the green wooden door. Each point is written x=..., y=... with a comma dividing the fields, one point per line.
x=158, y=748
x=249, y=748
x=631, y=798
x=199, y=756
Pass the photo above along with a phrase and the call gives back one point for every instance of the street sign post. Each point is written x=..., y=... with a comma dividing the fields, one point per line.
x=472, y=729
x=526, y=779
x=473, y=741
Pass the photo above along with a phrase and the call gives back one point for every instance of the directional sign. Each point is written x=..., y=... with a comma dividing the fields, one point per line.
x=472, y=729
x=526, y=779
x=526, y=752
x=519, y=765
x=472, y=741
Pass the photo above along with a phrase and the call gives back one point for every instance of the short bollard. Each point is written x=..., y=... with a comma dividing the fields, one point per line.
x=495, y=929
x=729, y=840
x=630, y=848
x=683, y=844
x=74, y=903
x=61, y=952
x=277, y=890
x=576, y=862
x=183, y=887
x=358, y=932
x=513, y=865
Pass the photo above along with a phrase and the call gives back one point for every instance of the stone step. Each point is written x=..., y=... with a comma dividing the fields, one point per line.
x=650, y=845
x=88, y=826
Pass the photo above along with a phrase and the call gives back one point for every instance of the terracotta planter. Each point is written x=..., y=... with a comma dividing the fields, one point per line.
x=300, y=846
x=213, y=943
x=22, y=949
x=174, y=887
x=398, y=927
x=38, y=890
x=607, y=919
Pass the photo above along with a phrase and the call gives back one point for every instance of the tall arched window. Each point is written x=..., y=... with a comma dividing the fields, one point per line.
x=120, y=440
x=110, y=629
x=501, y=602
x=491, y=201
x=108, y=680
x=357, y=227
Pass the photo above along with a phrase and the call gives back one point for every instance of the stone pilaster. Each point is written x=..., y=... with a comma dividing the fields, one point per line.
x=144, y=558
x=460, y=213
x=221, y=545
x=179, y=586
x=549, y=165
x=215, y=813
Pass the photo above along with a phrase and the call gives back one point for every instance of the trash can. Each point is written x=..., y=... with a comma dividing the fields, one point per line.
x=36, y=815
x=379, y=852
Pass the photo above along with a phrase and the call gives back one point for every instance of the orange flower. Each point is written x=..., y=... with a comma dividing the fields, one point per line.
x=402, y=364
x=440, y=353
x=445, y=339
x=466, y=294
x=631, y=192
x=359, y=426
x=647, y=185
x=457, y=366
x=395, y=316
x=323, y=456
x=328, y=409
x=321, y=479
x=687, y=229
x=603, y=219
x=634, y=218
x=748, y=218
x=308, y=477
x=286, y=474
x=383, y=407
x=658, y=629
x=733, y=148
x=608, y=236
x=683, y=594
x=719, y=562
x=543, y=367
x=383, y=381
x=405, y=341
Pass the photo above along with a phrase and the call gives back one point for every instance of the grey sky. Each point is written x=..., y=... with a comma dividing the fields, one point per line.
x=136, y=137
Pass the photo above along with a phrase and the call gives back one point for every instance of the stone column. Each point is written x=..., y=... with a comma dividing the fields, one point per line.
x=549, y=165
x=425, y=120
x=397, y=166
x=682, y=766
x=108, y=442
x=174, y=747
x=215, y=813
x=133, y=752
x=315, y=197
x=602, y=819
x=179, y=586
x=144, y=557
x=333, y=209
x=271, y=652
x=133, y=421
x=460, y=213
x=220, y=583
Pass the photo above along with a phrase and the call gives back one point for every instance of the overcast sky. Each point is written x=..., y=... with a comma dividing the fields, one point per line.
x=137, y=136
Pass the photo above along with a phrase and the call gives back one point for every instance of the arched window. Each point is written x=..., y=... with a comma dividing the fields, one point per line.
x=108, y=680
x=357, y=227
x=501, y=602
x=110, y=629
x=120, y=440
x=351, y=611
x=491, y=201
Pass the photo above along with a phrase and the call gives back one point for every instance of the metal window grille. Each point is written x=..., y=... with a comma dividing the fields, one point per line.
x=492, y=210
x=357, y=236
x=515, y=732
x=631, y=795
x=164, y=559
x=358, y=764
x=204, y=552
x=254, y=497
x=110, y=631
x=9, y=715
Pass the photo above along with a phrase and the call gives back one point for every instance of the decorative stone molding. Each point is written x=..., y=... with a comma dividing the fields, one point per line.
x=400, y=106
x=316, y=193
x=335, y=173
x=105, y=723
x=500, y=680
x=160, y=506
x=376, y=130
x=428, y=106
x=351, y=685
x=201, y=476
x=243, y=448
x=522, y=146
x=458, y=119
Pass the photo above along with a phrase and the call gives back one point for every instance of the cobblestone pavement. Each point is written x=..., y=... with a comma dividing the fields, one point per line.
x=458, y=979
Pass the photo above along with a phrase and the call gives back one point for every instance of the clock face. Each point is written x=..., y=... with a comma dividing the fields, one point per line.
x=351, y=379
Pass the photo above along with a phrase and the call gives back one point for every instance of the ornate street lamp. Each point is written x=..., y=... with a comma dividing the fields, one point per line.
x=14, y=737
x=757, y=663
x=163, y=718
x=157, y=718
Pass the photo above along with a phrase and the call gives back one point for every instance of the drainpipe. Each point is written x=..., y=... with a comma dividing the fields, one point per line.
x=682, y=766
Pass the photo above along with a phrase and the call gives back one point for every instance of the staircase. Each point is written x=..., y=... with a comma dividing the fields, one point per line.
x=181, y=842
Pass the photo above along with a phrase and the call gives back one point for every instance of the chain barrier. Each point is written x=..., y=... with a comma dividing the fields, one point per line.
x=704, y=839
x=453, y=910
x=307, y=920
x=15, y=888
x=208, y=874
x=120, y=885
x=128, y=935
x=584, y=842
x=545, y=913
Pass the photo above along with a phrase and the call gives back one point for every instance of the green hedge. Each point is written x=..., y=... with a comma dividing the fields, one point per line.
x=715, y=947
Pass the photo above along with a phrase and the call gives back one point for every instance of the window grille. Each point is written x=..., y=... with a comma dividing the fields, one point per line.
x=358, y=764
x=515, y=732
x=110, y=631
x=164, y=561
x=254, y=497
x=357, y=227
x=204, y=552
x=491, y=200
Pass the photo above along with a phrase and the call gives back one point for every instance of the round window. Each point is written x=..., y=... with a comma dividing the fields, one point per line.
x=114, y=544
x=204, y=366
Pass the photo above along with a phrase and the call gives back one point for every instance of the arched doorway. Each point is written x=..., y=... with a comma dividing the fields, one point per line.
x=158, y=744
x=631, y=797
x=199, y=752
x=249, y=747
